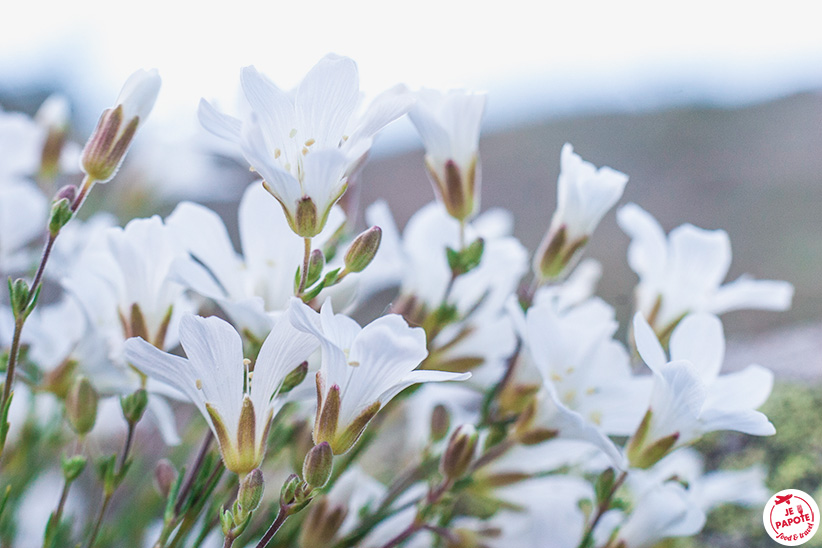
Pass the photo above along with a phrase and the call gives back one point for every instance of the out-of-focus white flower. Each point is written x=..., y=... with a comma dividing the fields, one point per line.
x=237, y=403
x=584, y=195
x=591, y=373
x=252, y=288
x=485, y=338
x=107, y=146
x=308, y=147
x=683, y=273
x=23, y=214
x=662, y=511
x=123, y=282
x=362, y=369
x=37, y=503
x=449, y=124
x=689, y=397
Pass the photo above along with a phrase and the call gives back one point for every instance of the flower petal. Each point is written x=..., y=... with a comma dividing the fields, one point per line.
x=700, y=340
x=326, y=99
x=219, y=124
x=647, y=344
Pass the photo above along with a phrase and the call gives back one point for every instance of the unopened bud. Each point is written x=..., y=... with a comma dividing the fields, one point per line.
x=226, y=522
x=68, y=192
x=18, y=296
x=460, y=452
x=107, y=146
x=61, y=214
x=81, y=405
x=294, y=378
x=250, y=494
x=440, y=423
x=134, y=405
x=164, y=476
x=318, y=465
x=363, y=250
x=291, y=488
x=316, y=263
x=73, y=467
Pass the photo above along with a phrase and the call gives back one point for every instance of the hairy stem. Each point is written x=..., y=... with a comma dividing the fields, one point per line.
x=304, y=269
x=282, y=514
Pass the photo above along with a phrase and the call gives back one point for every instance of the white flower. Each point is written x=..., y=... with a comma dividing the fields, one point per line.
x=661, y=512
x=584, y=195
x=485, y=338
x=123, y=282
x=683, y=273
x=308, y=147
x=689, y=397
x=362, y=369
x=574, y=351
x=255, y=286
x=23, y=214
x=449, y=124
x=107, y=146
x=237, y=403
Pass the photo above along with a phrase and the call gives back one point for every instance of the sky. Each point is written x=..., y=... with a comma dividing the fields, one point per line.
x=534, y=58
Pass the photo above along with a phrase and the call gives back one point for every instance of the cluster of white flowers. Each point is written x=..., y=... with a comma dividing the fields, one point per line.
x=169, y=311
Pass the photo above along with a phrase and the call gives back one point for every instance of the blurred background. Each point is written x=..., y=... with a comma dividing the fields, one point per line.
x=714, y=110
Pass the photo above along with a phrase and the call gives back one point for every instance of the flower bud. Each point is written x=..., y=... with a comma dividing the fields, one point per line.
x=107, y=146
x=134, y=405
x=460, y=452
x=363, y=250
x=290, y=490
x=61, y=214
x=318, y=464
x=18, y=296
x=316, y=263
x=440, y=423
x=164, y=476
x=294, y=378
x=81, y=405
x=73, y=467
x=250, y=494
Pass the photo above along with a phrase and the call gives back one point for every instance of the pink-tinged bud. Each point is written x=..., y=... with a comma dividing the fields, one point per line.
x=81, y=406
x=363, y=250
x=107, y=146
x=318, y=465
x=460, y=452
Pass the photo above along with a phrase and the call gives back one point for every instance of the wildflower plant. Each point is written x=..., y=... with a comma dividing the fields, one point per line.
x=487, y=406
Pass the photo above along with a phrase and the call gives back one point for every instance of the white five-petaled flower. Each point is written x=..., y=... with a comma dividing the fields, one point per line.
x=689, y=397
x=683, y=273
x=238, y=402
x=449, y=124
x=107, y=146
x=584, y=196
x=308, y=147
x=362, y=369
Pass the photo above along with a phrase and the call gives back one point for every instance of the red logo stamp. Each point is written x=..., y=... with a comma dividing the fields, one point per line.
x=791, y=517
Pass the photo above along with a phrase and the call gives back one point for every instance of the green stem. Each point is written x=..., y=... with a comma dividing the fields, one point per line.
x=601, y=509
x=99, y=521
x=57, y=516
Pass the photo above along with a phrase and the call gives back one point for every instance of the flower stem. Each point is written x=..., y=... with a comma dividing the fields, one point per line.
x=198, y=463
x=99, y=521
x=304, y=269
x=282, y=514
x=48, y=541
x=601, y=509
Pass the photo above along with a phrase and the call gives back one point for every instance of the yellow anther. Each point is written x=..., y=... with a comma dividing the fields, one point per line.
x=199, y=384
x=305, y=151
x=310, y=142
x=293, y=133
x=277, y=153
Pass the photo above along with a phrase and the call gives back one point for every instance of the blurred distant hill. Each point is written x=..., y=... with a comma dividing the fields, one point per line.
x=754, y=171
